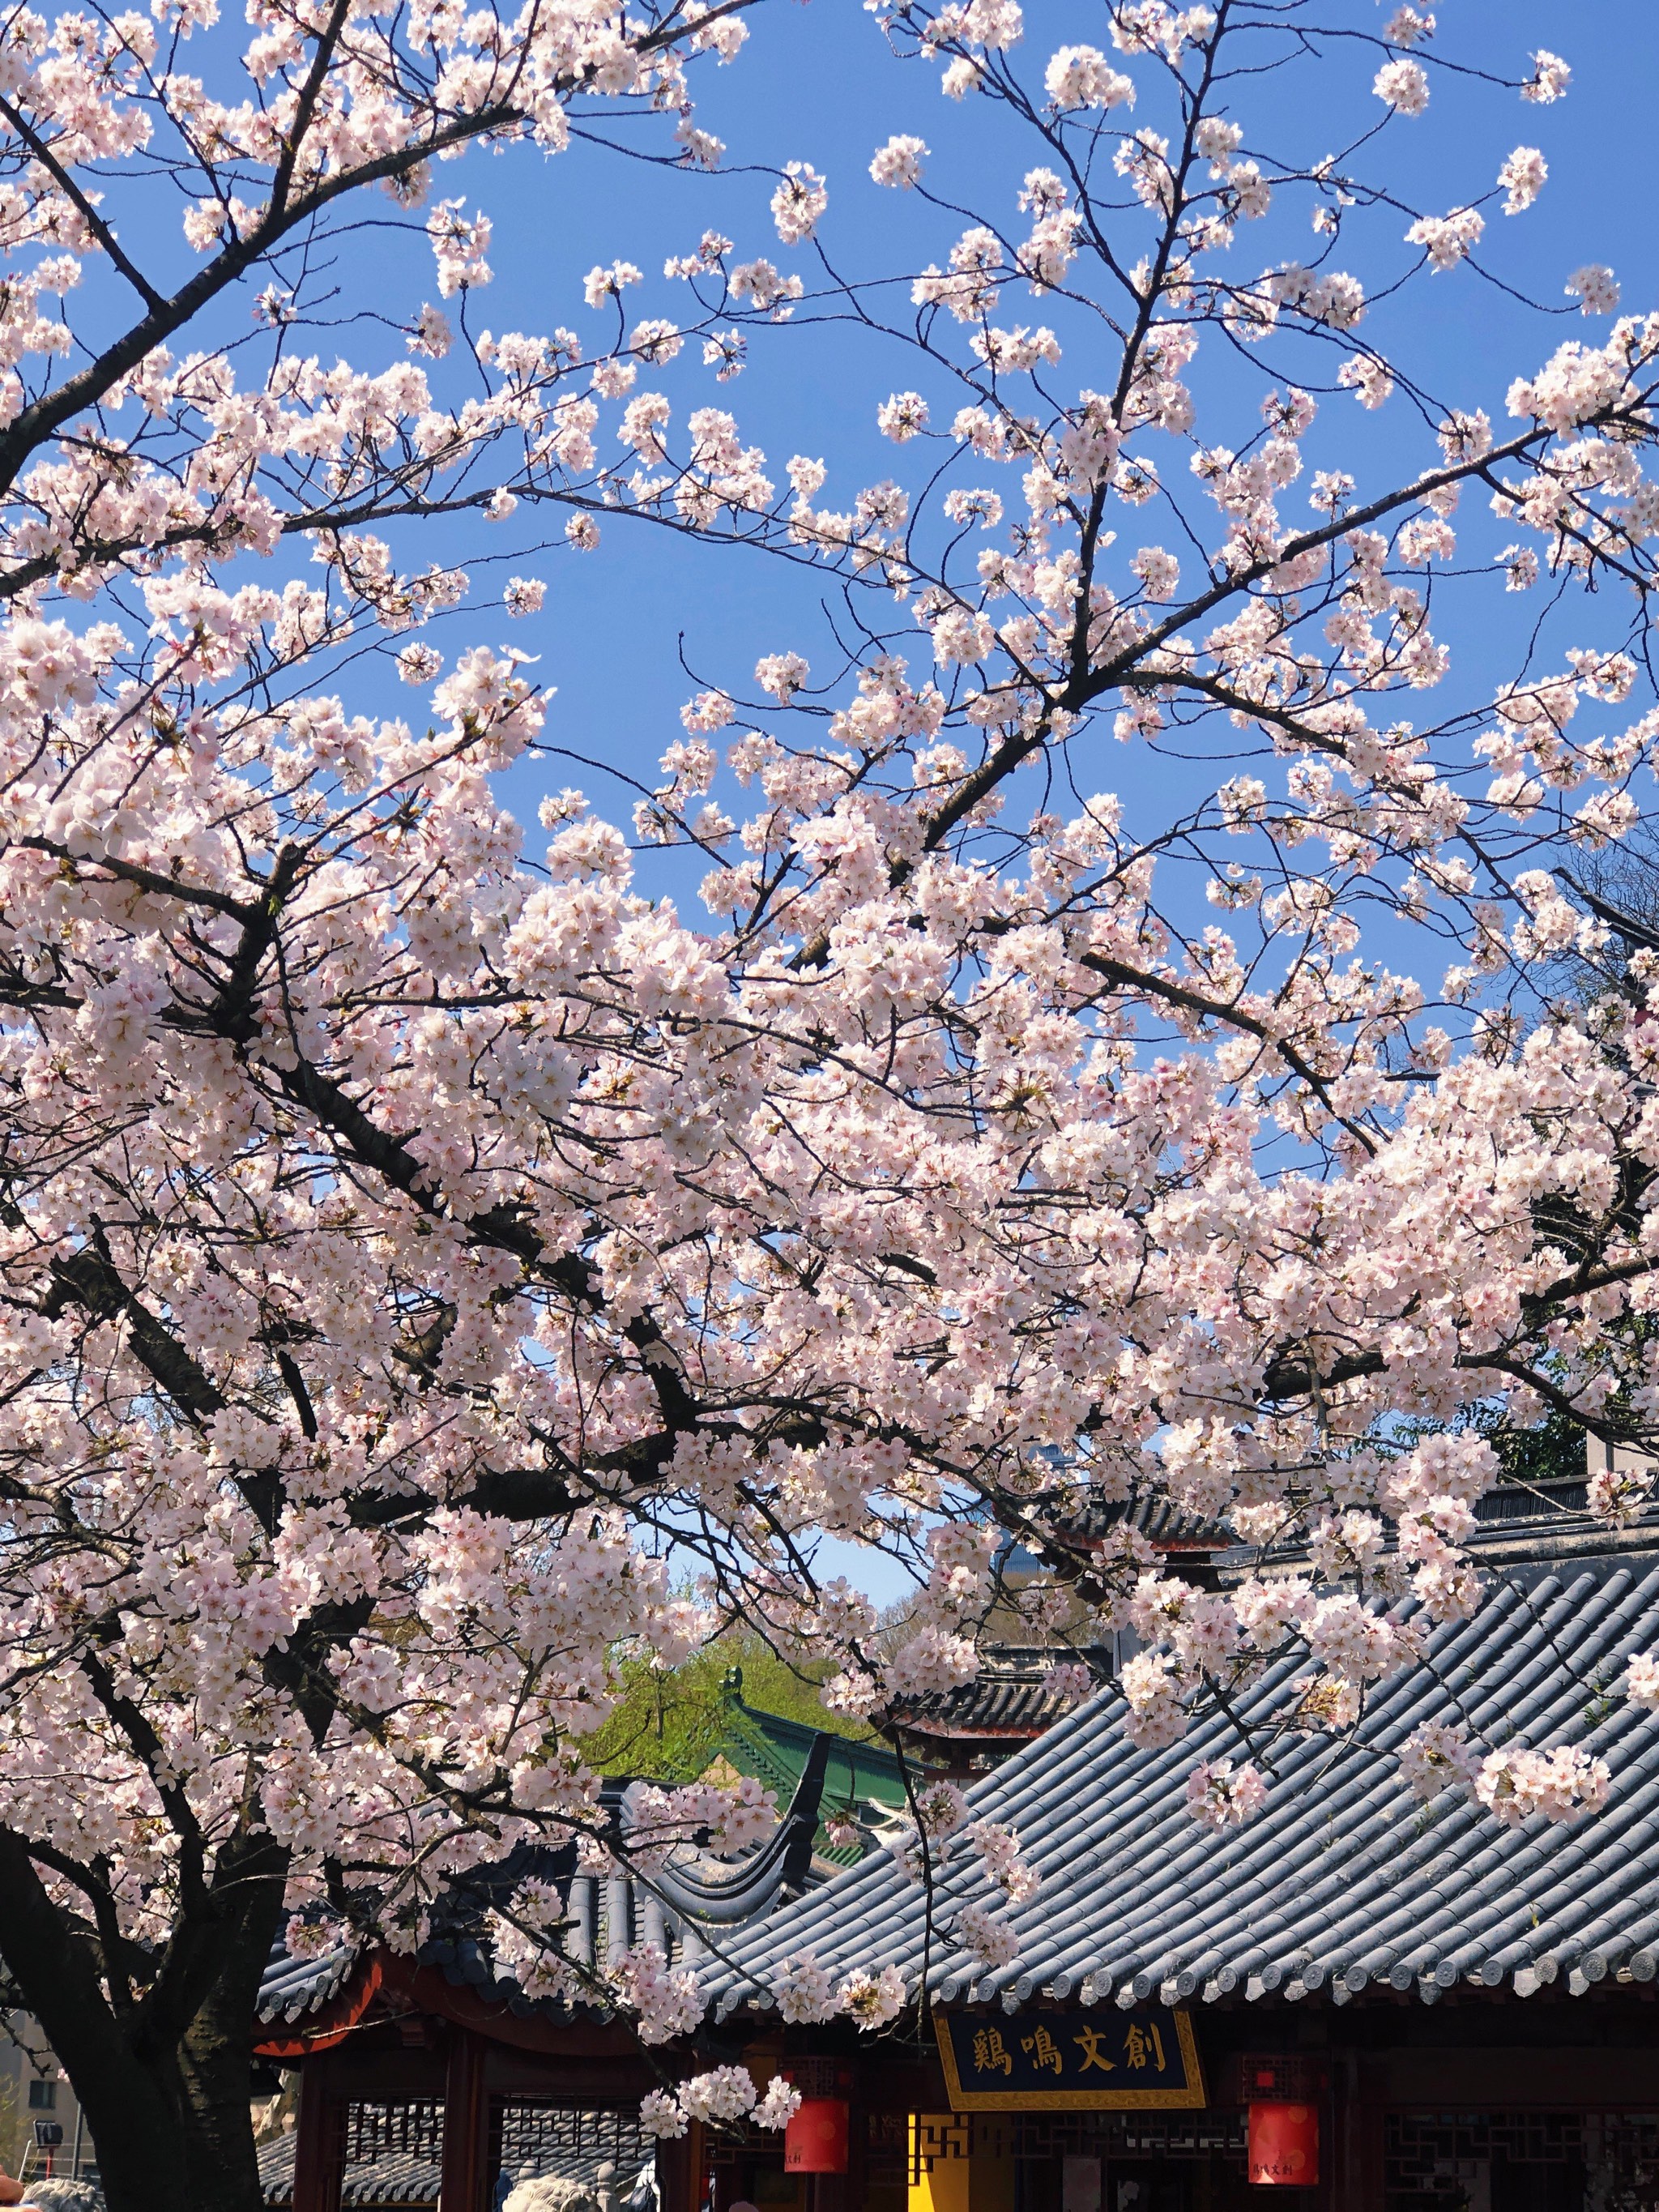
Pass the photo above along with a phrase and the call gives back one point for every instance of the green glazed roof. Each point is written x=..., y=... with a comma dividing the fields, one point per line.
x=775, y=1751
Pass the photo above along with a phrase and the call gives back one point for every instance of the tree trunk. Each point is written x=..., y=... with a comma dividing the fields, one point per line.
x=164, y=2083
x=176, y=2135
x=221, y=2163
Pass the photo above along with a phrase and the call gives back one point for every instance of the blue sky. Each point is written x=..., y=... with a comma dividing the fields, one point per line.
x=815, y=82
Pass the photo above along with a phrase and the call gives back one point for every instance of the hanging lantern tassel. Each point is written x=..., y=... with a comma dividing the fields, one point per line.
x=1285, y=2145
x=815, y=2141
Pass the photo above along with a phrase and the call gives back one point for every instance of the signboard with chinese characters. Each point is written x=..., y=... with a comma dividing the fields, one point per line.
x=1078, y=2062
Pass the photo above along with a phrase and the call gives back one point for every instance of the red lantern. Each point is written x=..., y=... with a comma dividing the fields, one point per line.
x=815, y=2141
x=1285, y=2145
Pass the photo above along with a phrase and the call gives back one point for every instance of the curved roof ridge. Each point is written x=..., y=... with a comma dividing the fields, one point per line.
x=606, y=1912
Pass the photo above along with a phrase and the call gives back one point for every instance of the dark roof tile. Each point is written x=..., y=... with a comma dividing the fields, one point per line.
x=1343, y=1880
x=609, y=1913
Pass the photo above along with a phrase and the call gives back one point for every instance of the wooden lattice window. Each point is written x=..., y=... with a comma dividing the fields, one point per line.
x=406, y=2127
x=1609, y=2159
x=1129, y=2135
x=533, y=2136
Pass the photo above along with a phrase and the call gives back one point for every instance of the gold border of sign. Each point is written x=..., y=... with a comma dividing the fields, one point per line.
x=1191, y=2099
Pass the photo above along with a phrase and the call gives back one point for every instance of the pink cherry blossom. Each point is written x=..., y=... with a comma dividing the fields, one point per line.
x=1220, y=1796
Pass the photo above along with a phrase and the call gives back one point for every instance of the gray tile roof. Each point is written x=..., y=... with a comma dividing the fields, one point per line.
x=1344, y=1880
x=1008, y=1697
x=1154, y=1515
x=400, y=2178
x=406, y=2179
x=686, y=1909
x=290, y=1988
x=1527, y=1529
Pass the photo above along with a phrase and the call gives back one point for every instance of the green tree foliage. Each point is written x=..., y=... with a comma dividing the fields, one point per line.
x=1553, y=1452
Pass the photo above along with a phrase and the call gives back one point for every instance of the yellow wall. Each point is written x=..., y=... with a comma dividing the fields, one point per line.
x=983, y=2182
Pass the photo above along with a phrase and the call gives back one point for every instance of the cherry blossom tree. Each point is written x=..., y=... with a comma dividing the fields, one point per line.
x=435, y=1274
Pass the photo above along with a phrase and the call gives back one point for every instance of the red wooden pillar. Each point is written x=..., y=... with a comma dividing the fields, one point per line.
x=316, y=2142
x=1356, y=2170
x=679, y=2172
x=465, y=2125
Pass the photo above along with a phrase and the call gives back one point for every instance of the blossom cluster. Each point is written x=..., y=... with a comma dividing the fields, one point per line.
x=725, y=2094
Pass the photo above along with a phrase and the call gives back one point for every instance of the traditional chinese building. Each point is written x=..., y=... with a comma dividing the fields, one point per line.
x=427, y=2077
x=1385, y=2005
x=967, y=1731
x=727, y=1737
